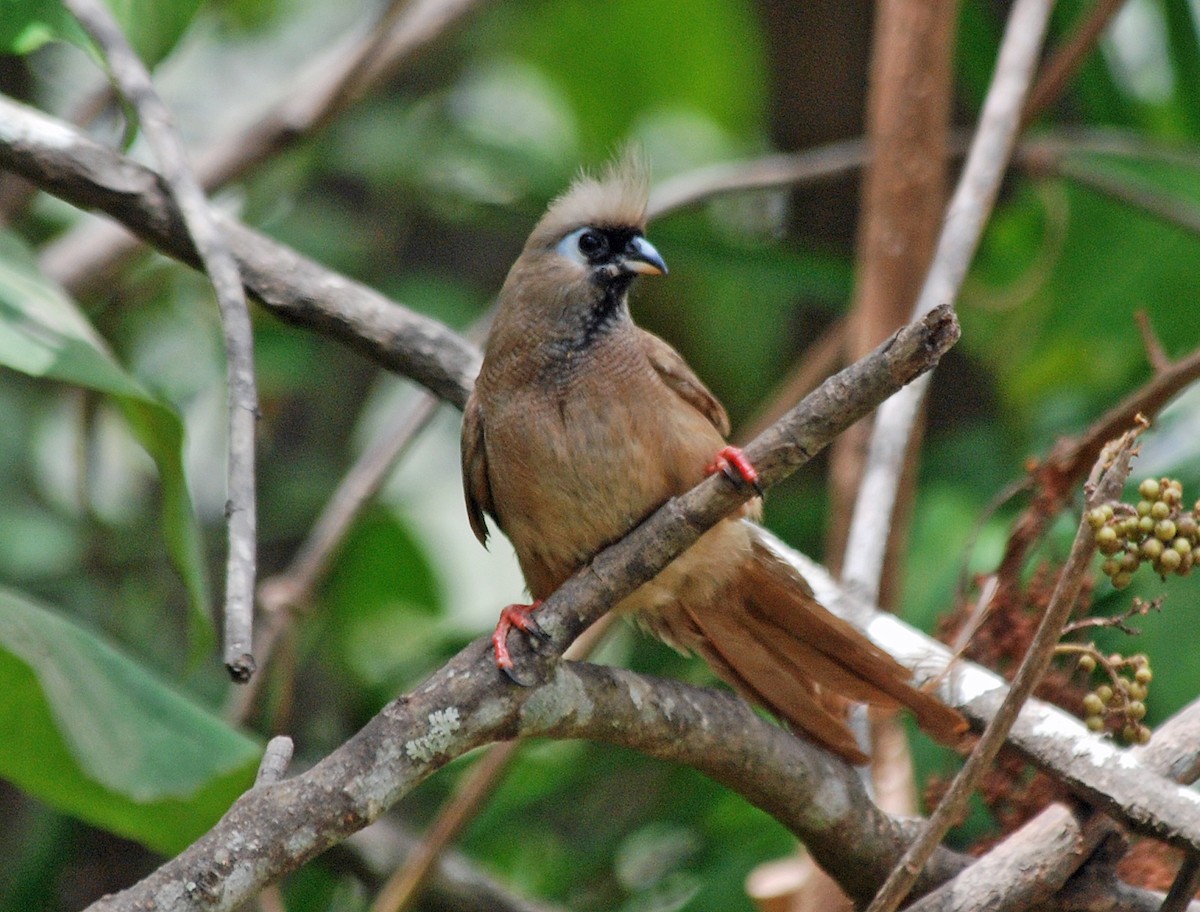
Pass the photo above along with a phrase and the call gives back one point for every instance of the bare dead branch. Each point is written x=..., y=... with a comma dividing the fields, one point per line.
x=1137, y=194
x=134, y=82
x=1055, y=738
x=822, y=163
x=1054, y=479
x=64, y=162
x=1107, y=481
x=91, y=252
x=461, y=706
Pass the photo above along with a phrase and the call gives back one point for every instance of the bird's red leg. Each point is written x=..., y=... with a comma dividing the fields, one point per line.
x=521, y=617
x=734, y=465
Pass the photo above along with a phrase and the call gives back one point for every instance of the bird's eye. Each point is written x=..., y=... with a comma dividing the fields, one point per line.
x=592, y=244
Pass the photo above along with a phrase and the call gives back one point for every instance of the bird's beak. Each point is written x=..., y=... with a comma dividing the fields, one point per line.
x=642, y=258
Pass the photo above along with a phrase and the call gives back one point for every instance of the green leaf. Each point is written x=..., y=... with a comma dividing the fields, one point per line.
x=26, y=25
x=94, y=735
x=43, y=334
x=153, y=27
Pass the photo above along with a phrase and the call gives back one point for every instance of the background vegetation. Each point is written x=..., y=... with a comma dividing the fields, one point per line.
x=111, y=397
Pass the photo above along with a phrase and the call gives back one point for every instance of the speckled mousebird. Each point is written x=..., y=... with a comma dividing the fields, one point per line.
x=581, y=424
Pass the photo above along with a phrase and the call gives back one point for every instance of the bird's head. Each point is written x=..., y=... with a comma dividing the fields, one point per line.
x=590, y=245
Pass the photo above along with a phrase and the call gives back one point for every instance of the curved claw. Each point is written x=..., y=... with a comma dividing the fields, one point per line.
x=511, y=674
x=520, y=617
x=733, y=464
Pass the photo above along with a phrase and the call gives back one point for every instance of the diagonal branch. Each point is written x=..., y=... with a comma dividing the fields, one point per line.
x=1107, y=480
x=91, y=251
x=464, y=704
x=64, y=162
x=361, y=779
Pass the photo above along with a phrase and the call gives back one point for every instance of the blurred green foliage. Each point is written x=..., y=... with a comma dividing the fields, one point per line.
x=111, y=458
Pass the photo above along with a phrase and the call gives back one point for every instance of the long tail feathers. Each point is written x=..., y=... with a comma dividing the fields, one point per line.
x=774, y=643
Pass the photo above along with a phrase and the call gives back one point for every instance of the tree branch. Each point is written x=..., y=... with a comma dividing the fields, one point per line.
x=90, y=252
x=375, y=771
x=1032, y=863
x=64, y=162
x=463, y=705
x=133, y=79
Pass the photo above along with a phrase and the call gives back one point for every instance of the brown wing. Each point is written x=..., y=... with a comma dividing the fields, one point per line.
x=476, y=486
x=679, y=377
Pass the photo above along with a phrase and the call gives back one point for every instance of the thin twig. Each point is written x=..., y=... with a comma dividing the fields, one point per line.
x=1108, y=478
x=281, y=596
x=293, y=587
x=1055, y=478
x=64, y=162
x=134, y=82
x=407, y=881
x=965, y=219
x=94, y=250
x=822, y=163
x=1068, y=58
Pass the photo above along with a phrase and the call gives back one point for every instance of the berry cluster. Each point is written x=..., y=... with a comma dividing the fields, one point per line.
x=1158, y=531
x=1119, y=703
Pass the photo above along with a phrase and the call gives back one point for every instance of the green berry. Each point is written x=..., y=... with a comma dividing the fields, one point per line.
x=1149, y=489
x=1138, y=691
x=1087, y=662
x=1122, y=579
x=1094, y=723
x=1164, y=529
x=1188, y=527
x=1170, y=560
x=1152, y=549
x=1143, y=734
x=1092, y=705
x=1160, y=510
x=1130, y=733
x=1105, y=693
x=1129, y=561
x=1146, y=525
x=1095, y=517
x=1143, y=675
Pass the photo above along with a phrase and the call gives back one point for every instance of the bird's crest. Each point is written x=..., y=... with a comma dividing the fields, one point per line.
x=616, y=198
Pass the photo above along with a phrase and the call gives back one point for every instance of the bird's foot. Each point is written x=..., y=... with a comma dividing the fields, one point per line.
x=521, y=617
x=733, y=464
